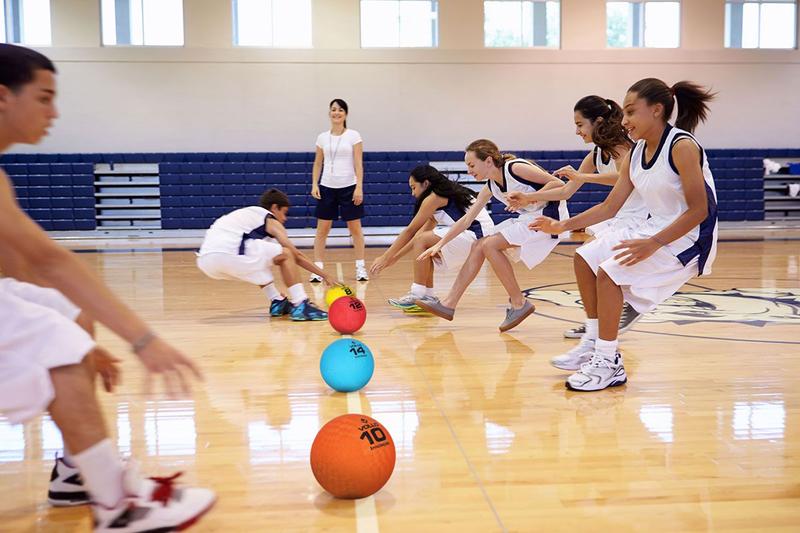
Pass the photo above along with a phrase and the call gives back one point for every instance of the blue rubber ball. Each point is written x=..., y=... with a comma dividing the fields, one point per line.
x=346, y=365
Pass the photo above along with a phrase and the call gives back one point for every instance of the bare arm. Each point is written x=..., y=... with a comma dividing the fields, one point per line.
x=277, y=230
x=423, y=216
x=603, y=211
x=358, y=166
x=587, y=171
x=461, y=224
x=59, y=268
x=316, y=172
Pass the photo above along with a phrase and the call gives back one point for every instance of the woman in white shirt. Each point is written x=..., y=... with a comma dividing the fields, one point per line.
x=339, y=192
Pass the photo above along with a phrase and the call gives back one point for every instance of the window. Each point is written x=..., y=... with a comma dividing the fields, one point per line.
x=275, y=23
x=760, y=24
x=643, y=23
x=142, y=22
x=521, y=24
x=394, y=23
x=25, y=22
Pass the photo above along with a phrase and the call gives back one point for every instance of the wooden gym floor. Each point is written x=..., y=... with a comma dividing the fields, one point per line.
x=705, y=436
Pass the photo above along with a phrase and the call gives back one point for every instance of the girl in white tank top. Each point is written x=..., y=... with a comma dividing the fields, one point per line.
x=647, y=264
x=505, y=175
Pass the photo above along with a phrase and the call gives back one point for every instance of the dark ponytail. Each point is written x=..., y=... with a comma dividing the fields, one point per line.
x=441, y=185
x=341, y=103
x=692, y=100
x=608, y=133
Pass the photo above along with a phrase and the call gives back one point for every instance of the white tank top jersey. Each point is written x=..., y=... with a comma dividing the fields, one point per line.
x=338, y=170
x=448, y=215
x=660, y=186
x=512, y=183
x=633, y=212
x=229, y=233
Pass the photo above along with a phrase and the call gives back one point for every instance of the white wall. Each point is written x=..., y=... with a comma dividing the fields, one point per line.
x=210, y=96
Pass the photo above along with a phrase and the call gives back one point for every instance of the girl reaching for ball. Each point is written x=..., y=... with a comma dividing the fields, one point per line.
x=504, y=174
x=439, y=203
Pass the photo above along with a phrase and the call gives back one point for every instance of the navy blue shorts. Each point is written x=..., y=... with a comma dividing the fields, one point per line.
x=336, y=202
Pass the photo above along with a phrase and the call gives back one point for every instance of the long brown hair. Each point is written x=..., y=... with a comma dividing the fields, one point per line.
x=608, y=133
x=692, y=100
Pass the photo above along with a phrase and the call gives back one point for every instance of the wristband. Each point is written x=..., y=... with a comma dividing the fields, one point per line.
x=142, y=342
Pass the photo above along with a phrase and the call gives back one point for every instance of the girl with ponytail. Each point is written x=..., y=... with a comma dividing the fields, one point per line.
x=504, y=175
x=647, y=264
x=439, y=203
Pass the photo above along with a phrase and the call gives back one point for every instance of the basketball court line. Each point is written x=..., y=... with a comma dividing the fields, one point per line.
x=366, y=514
x=452, y=431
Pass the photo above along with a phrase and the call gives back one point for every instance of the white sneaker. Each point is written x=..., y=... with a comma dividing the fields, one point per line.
x=66, y=486
x=404, y=302
x=573, y=359
x=598, y=374
x=153, y=504
x=361, y=274
x=313, y=278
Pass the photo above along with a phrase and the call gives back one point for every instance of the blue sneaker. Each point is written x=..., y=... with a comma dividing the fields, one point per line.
x=280, y=307
x=305, y=310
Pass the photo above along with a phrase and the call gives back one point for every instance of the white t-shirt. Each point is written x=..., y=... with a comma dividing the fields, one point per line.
x=338, y=169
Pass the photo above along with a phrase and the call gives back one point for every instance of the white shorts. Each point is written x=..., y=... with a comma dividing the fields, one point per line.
x=615, y=224
x=645, y=284
x=253, y=267
x=532, y=247
x=37, y=332
x=455, y=252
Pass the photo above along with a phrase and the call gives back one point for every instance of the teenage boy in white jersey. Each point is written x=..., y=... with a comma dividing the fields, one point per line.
x=46, y=358
x=245, y=244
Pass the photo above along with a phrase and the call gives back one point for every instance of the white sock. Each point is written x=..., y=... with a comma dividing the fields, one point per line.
x=418, y=290
x=272, y=292
x=101, y=471
x=359, y=263
x=592, y=328
x=297, y=294
x=429, y=291
x=606, y=349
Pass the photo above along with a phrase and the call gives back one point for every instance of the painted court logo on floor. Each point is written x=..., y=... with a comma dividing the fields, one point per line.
x=755, y=307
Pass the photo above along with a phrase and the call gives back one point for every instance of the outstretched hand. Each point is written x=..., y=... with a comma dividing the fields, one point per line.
x=547, y=225
x=432, y=252
x=176, y=369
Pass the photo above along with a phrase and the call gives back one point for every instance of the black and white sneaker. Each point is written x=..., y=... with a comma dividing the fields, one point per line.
x=66, y=486
x=598, y=374
x=575, y=333
x=628, y=318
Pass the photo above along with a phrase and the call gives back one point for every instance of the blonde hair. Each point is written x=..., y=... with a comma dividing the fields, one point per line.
x=483, y=148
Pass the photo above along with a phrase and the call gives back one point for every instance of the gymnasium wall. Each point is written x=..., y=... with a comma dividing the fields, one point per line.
x=211, y=96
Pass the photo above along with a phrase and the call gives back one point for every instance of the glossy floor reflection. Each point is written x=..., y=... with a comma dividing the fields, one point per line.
x=705, y=436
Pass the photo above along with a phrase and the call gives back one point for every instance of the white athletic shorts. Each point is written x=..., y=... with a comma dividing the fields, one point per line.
x=253, y=267
x=532, y=247
x=455, y=252
x=614, y=224
x=37, y=332
x=645, y=284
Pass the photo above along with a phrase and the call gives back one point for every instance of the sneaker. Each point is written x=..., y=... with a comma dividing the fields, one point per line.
x=575, y=333
x=628, y=318
x=66, y=486
x=280, y=307
x=153, y=504
x=305, y=310
x=626, y=321
x=431, y=304
x=514, y=317
x=314, y=278
x=361, y=274
x=575, y=358
x=599, y=373
x=417, y=309
x=404, y=302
